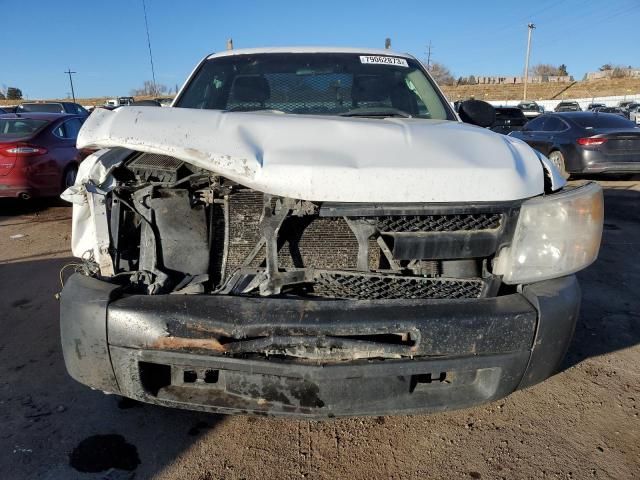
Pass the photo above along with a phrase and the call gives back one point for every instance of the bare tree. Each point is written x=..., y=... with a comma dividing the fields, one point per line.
x=149, y=89
x=545, y=69
x=441, y=74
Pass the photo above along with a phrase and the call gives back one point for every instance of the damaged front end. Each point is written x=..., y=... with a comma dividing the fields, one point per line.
x=198, y=291
x=219, y=297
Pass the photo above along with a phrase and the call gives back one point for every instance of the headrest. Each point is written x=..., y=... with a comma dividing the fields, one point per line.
x=370, y=88
x=250, y=88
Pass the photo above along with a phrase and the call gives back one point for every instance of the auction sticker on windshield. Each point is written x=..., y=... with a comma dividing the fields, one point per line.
x=382, y=60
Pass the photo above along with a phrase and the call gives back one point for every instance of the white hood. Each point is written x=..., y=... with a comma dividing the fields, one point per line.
x=330, y=158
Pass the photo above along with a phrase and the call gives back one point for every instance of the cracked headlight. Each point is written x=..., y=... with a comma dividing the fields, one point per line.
x=556, y=235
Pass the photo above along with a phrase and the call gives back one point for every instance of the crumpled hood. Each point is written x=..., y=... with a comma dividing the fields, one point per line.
x=330, y=158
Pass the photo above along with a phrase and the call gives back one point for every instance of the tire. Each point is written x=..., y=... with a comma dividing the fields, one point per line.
x=557, y=159
x=69, y=177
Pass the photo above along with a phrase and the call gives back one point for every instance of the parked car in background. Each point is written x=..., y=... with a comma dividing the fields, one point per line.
x=164, y=101
x=624, y=105
x=593, y=106
x=530, y=109
x=348, y=246
x=38, y=154
x=52, y=107
x=585, y=142
x=632, y=107
x=146, y=103
x=568, y=106
x=508, y=119
x=613, y=110
x=119, y=102
x=634, y=114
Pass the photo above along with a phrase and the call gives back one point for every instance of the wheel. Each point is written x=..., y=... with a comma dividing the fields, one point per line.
x=69, y=176
x=557, y=159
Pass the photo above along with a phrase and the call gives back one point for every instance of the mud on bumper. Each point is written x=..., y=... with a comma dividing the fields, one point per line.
x=199, y=352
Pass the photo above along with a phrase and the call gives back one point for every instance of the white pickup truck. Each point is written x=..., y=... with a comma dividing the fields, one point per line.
x=314, y=232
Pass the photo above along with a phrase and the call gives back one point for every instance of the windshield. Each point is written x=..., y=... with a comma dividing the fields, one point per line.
x=19, y=127
x=605, y=120
x=315, y=83
x=41, y=107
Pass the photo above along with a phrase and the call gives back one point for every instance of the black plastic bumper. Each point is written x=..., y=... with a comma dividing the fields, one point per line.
x=203, y=352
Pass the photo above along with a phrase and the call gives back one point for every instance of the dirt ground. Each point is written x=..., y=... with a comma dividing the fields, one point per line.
x=582, y=423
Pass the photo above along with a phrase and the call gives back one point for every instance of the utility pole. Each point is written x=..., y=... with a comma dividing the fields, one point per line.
x=153, y=73
x=73, y=94
x=429, y=56
x=387, y=43
x=531, y=26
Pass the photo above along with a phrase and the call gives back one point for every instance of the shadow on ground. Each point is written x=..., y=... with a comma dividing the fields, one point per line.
x=610, y=313
x=48, y=419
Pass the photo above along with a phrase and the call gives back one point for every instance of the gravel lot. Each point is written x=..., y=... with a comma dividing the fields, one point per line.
x=582, y=423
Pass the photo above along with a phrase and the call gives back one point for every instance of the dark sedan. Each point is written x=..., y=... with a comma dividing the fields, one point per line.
x=585, y=142
x=568, y=106
x=508, y=119
x=614, y=110
x=38, y=155
x=52, y=107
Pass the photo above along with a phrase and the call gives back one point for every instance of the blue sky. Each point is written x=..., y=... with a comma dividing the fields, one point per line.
x=105, y=41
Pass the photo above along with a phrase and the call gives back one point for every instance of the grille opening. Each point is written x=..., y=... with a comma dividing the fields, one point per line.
x=154, y=376
x=386, y=338
x=189, y=376
x=328, y=245
x=425, y=379
x=439, y=223
x=357, y=286
x=211, y=376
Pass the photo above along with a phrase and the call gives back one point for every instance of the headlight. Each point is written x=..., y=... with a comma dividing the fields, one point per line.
x=556, y=235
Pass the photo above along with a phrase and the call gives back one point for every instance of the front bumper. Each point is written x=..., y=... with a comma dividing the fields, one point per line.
x=203, y=352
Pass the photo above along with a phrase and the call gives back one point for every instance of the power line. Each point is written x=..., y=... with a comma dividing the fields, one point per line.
x=73, y=94
x=146, y=23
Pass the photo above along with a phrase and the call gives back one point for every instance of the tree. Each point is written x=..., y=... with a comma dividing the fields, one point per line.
x=149, y=89
x=1, y=95
x=544, y=69
x=605, y=67
x=14, y=93
x=441, y=74
x=562, y=70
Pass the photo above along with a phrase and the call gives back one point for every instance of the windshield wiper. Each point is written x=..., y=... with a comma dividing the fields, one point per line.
x=376, y=112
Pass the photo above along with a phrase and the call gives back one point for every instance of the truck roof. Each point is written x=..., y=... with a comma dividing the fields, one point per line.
x=363, y=51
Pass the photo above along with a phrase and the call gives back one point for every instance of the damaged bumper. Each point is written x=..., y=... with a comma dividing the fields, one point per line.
x=314, y=358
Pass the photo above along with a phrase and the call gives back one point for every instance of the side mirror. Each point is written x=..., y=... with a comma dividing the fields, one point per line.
x=477, y=113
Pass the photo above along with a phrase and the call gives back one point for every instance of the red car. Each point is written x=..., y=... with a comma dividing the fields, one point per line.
x=38, y=155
